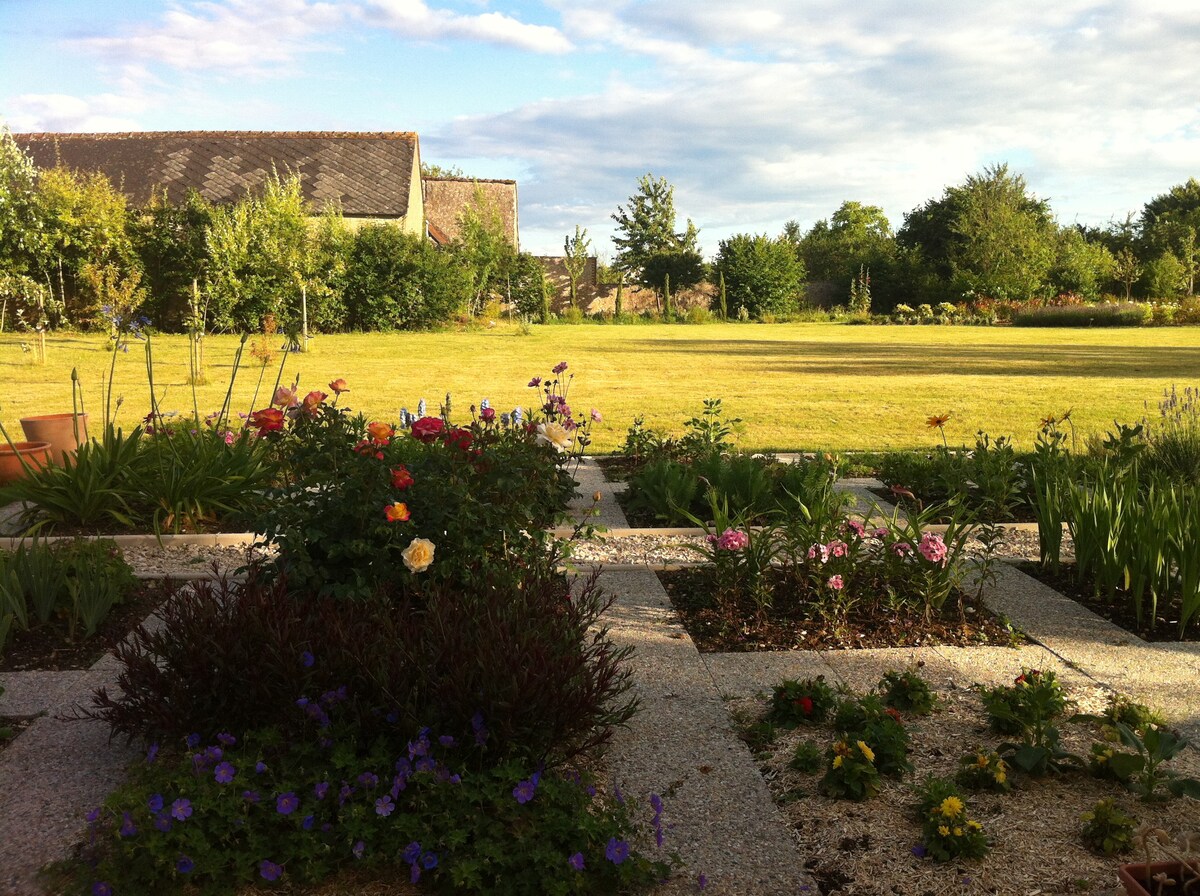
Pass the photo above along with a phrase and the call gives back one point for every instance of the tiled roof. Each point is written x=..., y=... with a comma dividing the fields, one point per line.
x=367, y=174
x=446, y=198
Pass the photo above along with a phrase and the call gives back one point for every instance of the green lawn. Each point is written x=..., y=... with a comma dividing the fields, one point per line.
x=810, y=386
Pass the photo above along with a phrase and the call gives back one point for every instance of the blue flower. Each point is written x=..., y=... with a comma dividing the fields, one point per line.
x=307, y=659
x=227, y=740
x=412, y=852
x=250, y=796
x=181, y=809
x=524, y=791
x=429, y=861
x=155, y=803
x=576, y=861
x=162, y=822
x=185, y=865
x=260, y=767
x=152, y=753
x=919, y=851
x=384, y=806
x=617, y=851
x=287, y=803
x=321, y=789
x=269, y=870
x=224, y=773
x=128, y=828
x=193, y=741
x=307, y=823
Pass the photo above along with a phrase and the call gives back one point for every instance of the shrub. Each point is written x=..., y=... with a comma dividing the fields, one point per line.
x=1106, y=829
x=524, y=655
x=401, y=281
x=1124, y=314
x=866, y=720
x=851, y=773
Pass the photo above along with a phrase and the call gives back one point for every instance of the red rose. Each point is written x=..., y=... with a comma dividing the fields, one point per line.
x=427, y=429
x=401, y=478
x=459, y=438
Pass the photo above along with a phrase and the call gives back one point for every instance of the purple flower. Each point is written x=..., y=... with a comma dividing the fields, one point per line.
x=559, y=367
x=227, y=740
x=596, y=417
x=181, y=809
x=193, y=741
x=155, y=803
x=359, y=849
x=412, y=852
x=656, y=803
x=701, y=881
x=287, y=803
x=576, y=861
x=415, y=874
x=128, y=828
x=429, y=861
x=447, y=741
x=162, y=822
x=250, y=796
x=307, y=659
x=184, y=865
x=384, y=806
x=260, y=767
x=224, y=773
x=535, y=382
x=269, y=870
x=308, y=822
x=919, y=851
x=617, y=851
x=321, y=790
x=101, y=888
x=368, y=779
x=152, y=753
x=93, y=816
x=524, y=791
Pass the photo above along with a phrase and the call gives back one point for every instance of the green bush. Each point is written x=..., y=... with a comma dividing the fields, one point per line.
x=1124, y=314
x=400, y=281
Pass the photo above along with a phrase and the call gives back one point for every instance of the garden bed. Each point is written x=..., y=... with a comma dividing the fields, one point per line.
x=875, y=847
x=737, y=626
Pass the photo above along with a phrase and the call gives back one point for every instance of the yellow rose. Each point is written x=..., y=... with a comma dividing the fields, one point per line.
x=418, y=555
x=554, y=434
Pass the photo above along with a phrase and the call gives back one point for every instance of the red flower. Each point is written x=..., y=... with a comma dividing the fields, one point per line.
x=488, y=415
x=427, y=429
x=401, y=478
x=366, y=448
x=459, y=438
x=311, y=400
x=805, y=704
x=267, y=420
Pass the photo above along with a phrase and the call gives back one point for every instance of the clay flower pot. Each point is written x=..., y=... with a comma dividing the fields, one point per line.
x=59, y=430
x=35, y=454
x=1134, y=878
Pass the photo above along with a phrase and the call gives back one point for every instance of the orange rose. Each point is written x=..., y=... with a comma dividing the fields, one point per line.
x=397, y=512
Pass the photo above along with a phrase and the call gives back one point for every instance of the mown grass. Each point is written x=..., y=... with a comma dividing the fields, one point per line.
x=796, y=386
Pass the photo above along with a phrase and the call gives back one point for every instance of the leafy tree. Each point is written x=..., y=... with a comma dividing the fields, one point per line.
x=428, y=169
x=987, y=236
x=1126, y=270
x=483, y=251
x=171, y=243
x=1081, y=265
x=1164, y=276
x=401, y=281
x=528, y=289
x=854, y=237
x=21, y=243
x=1171, y=223
x=761, y=274
x=575, y=258
x=257, y=250
x=649, y=248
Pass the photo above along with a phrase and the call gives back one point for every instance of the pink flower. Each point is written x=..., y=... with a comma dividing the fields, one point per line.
x=819, y=550
x=836, y=583
x=487, y=415
x=881, y=532
x=902, y=549
x=285, y=397
x=856, y=527
x=732, y=540
x=559, y=367
x=933, y=548
x=596, y=418
x=535, y=382
x=837, y=548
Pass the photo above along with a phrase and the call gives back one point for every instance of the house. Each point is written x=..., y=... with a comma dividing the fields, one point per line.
x=370, y=176
x=446, y=198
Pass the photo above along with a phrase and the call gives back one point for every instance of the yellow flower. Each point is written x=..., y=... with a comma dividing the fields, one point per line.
x=1048, y=421
x=867, y=751
x=957, y=831
x=943, y=830
x=418, y=555
x=837, y=761
x=1001, y=777
x=952, y=807
x=555, y=435
x=974, y=825
x=937, y=421
x=981, y=761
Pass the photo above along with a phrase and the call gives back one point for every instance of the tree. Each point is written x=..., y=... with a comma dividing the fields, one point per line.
x=428, y=169
x=987, y=236
x=21, y=242
x=575, y=258
x=1126, y=270
x=1081, y=266
x=648, y=247
x=401, y=281
x=1171, y=223
x=483, y=251
x=855, y=236
x=761, y=274
x=171, y=243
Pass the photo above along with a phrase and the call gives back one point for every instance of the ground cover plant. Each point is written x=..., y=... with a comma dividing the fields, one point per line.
x=958, y=819
x=795, y=386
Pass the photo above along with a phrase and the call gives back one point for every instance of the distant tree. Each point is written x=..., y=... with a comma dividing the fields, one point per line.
x=575, y=258
x=856, y=239
x=528, y=289
x=648, y=246
x=1081, y=265
x=170, y=241
x=761, y=274
x=1171, y=223
x=428, y=169
x=1126, y=270
x=21, y=240
x=483, y=250
x=987, y=236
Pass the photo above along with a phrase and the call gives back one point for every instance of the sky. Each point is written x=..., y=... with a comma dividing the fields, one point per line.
x=758, y=112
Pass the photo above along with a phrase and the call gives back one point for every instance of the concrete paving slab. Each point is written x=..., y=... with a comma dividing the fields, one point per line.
x=739, y=675
x=28, y=693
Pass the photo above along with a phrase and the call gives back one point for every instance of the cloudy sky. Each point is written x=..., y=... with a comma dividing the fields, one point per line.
x=757, y=111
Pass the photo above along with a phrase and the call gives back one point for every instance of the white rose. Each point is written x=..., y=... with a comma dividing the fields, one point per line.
x=418, y=555
x=554, y=434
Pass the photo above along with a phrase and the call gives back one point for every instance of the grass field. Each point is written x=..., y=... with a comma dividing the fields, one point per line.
x=796, y=386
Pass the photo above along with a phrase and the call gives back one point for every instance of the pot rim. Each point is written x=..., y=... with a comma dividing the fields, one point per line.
x=24, y=447
x=67, y=415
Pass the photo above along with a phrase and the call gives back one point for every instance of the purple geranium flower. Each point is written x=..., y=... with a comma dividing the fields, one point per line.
x=617, y=851
x=384, y=806
x=359, y=849
x=128, y=828
x=524, y=791
x=287, y=803
x=185, y=865
x=320, y=790
x=412, y=852
x=181, y=809
x=224, y=773
x=270, y=870
x=576, y=861
x=307, y=659
x=155, y=803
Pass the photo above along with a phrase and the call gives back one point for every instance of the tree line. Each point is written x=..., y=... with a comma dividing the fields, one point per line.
x=73, y=252
x=987, y=239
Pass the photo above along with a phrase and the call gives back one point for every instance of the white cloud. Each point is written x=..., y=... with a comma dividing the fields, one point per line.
x=235, y=37
x=416, y=20
x=36, y=112
x=774, y=110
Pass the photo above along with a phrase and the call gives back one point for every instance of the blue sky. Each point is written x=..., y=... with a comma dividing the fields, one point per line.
x=758, y=112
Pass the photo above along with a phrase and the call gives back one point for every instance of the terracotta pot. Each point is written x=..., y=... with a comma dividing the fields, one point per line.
x=35, y=454
x=58, y=430
x=1133, y=878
